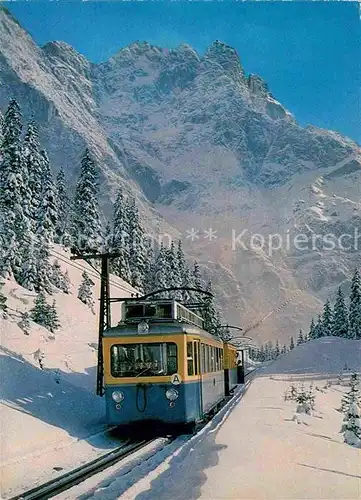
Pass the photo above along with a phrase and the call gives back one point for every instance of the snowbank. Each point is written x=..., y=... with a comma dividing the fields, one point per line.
x=51, y=418
x=327, y=355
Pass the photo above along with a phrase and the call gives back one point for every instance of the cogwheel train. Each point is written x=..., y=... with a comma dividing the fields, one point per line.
x=163, y=368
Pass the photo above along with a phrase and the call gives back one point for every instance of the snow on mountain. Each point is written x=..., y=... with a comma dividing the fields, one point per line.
x=58, y=403
x=205, y=146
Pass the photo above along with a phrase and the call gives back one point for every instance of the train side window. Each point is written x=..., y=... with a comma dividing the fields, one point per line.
x=213, y=359
x=203, y=362
x=217, y=359
x=221, y=354
x=196, y=357
x=190, y=358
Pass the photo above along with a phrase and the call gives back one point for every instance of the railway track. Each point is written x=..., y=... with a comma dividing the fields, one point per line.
x=76, y=476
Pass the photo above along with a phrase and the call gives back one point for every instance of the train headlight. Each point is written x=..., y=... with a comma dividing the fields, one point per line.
x=171, y=394
x=117, y=396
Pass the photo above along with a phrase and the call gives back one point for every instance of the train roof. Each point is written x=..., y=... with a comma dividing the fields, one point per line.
x=163, y=328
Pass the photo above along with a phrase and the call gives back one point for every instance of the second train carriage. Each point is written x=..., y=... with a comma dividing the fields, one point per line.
x=161, y=366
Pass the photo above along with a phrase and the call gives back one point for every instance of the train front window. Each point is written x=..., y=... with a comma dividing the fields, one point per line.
x=143, y=360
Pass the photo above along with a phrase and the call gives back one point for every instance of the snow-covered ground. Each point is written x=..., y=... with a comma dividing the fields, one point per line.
x=254, y=449
x=51, y=419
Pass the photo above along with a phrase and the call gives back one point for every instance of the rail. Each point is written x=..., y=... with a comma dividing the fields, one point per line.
x=76, y=476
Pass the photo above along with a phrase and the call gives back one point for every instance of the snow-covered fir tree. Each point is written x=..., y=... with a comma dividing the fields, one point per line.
x=183, y=272
x=292, y=344
x=284, y=349
x=300, y=338
x=340, y=316
x=327, y=319
x=3, y=300
x=277, y=350
x=350, y=407
x=138, y=252
x=15, y=223
x=119, y=242
x=59, y=279
x=353, y=394
x=34, y=165
x=29, y=269
x=62, y=235
x=355, y=307
x=85, y=225
x=196, y=282
x=47, y=211
x=148, y=283
x=85, y=293
x=209, y=312
x=161, y=270
x=53, y=318
x=41, y=310
x=311, y=333
x=351, y=427
x=318, y=331
x=175, y=278
x=24, y=322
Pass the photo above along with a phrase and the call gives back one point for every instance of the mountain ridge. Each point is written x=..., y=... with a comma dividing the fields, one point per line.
x=200, y=144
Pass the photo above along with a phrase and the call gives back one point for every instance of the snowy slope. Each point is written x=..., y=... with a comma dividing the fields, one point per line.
x=58, y=404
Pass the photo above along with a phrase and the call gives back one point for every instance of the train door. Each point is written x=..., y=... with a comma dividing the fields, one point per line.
x=197, y=368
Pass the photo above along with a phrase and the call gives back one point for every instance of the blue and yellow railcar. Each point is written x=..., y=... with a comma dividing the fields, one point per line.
x=161, y=366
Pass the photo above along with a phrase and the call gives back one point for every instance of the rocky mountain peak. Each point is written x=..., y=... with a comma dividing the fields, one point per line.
x=257, y=85
x=226, y=58
x=65, y=53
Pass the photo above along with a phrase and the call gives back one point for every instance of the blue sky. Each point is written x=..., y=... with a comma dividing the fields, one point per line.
x=308, y=52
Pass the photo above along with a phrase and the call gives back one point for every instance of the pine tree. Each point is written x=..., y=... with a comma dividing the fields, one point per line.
x=24, y=323
x=137, y=257
x=352, y=425
x=15, y=223
x=196, y=282
x=284, y=349
x=148, y=284
x=85, y=293
x=161, y=270
x=327, y=319
x=354, y=393
x=34, y=165
x=340, y=315
x=1, y=131
x=277, y=350
x=292, y=344
x=300, y=339
x=62, y=235
x=312, y=332
x=53, y=322
x=350, y=406
x=209, y=312
x=3, y=305
x=318, y=331
x=355, y=307
x=85, y=227
x=183, y=272
x=175, y=278
x=47, y=212
x=120, y=239
x=59, y=279
x=29, y=270
x=40, y=312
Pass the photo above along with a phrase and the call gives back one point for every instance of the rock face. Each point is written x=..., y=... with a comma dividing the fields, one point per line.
x=206, y=146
